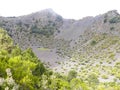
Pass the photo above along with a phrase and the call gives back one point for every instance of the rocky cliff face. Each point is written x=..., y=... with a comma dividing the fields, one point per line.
x=27, y=30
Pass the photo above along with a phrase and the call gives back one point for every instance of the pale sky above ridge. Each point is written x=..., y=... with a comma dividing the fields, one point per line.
x=75, y=9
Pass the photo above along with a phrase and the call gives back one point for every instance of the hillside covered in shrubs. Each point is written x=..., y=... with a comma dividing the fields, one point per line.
x=22, y=70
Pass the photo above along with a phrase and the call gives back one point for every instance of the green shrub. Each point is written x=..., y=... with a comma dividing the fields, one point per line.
x=105, y=20
x=72, y=74
x=112, y=28
x=104, y=76
x=114, y=20
x=93, y=42
x=93, y=78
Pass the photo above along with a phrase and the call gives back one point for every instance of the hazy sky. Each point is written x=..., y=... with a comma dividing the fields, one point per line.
x=67, y=8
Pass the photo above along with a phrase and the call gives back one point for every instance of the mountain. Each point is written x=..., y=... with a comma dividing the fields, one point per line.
x=89, y=45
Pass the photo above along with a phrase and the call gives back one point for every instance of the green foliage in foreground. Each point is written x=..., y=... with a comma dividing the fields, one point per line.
x=25, y=67
x=21, y=70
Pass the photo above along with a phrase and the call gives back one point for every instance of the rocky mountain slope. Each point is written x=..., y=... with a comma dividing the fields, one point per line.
x=89, y=45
